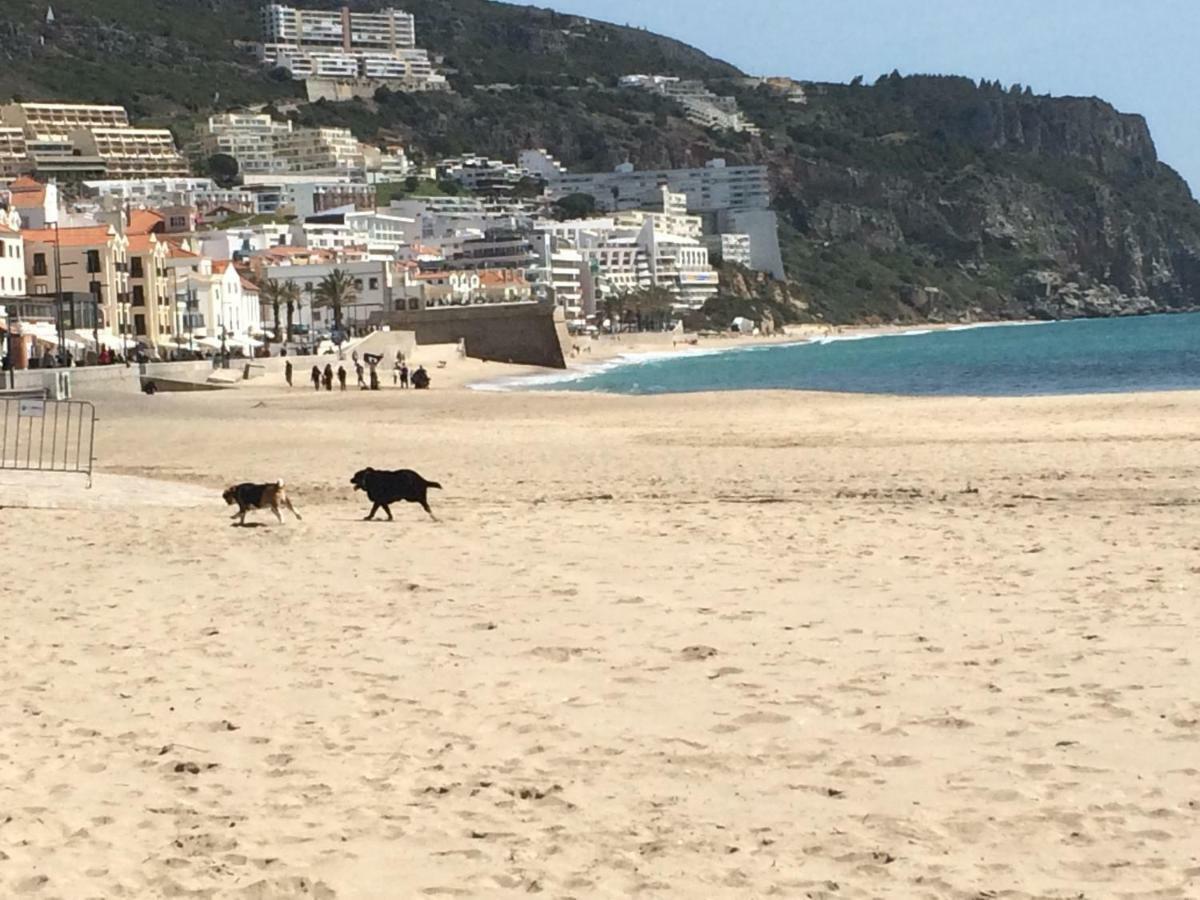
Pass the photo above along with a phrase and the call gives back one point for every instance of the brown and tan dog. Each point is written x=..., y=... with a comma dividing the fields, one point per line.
x=249, y=496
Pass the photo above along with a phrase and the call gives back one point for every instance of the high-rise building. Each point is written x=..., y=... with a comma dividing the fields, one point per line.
x=345, y=45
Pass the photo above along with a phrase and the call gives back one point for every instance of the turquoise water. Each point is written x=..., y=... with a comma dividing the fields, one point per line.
x=1084, y=356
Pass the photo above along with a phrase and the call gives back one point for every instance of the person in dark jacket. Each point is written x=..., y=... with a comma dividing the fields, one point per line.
x=287, y=372
x=341, y=373
x=327, y=379
x=316, y=378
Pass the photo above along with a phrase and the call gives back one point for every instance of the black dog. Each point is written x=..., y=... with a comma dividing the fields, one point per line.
x=385, y=488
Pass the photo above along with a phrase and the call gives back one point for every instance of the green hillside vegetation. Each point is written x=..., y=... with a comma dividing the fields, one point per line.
x=908, y=198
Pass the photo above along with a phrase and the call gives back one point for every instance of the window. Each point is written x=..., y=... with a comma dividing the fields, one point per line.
x=39, y=264
x=178, y=222
x=135, y=268
x=413, y=303
x=374, y=284
x=139, y=295
x=93, y=261
x=358, y=284
x=40, y=289
x=139, y=324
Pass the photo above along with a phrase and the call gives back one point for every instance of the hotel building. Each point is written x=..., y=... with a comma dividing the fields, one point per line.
x=83, y=140
x=344, y=45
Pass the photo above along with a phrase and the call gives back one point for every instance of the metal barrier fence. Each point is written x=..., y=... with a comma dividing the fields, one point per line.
x=42, y=435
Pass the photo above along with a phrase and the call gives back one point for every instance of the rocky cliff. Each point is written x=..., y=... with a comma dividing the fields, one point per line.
x=953, y=200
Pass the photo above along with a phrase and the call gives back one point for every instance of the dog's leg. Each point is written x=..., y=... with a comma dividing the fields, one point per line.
x=275, y=509
x=425, y=506
x=371, y=516
x=236, y=514
x=387, y=509
x=288, y=502
x=242, y=517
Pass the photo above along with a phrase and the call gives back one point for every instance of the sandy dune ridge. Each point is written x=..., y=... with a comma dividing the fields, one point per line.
x=780, y=645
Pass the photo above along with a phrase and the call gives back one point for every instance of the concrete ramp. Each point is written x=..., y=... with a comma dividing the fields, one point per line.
x=385, y=344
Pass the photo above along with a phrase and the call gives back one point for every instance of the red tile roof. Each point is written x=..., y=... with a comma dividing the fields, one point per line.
x=27, y=193
x=142, y=243
x=143, y=221
x=70, y=237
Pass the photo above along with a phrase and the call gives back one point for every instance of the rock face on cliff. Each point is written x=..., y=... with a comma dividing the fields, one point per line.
x=958, y=201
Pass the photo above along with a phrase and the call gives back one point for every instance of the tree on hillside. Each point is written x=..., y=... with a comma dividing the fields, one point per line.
x=574, y=206
x=223, y=169
x=336, y=291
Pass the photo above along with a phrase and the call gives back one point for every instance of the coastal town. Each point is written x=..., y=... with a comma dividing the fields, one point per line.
x=114, y=246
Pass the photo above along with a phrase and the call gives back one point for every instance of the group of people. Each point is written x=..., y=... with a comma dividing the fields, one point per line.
x=368, y=376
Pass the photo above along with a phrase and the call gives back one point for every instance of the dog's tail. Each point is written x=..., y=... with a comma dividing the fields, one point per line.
x=433, y=484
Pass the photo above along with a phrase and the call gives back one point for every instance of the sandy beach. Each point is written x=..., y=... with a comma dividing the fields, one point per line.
x=788, y=645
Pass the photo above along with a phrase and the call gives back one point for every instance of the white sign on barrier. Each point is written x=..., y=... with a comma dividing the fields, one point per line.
x=31, y=409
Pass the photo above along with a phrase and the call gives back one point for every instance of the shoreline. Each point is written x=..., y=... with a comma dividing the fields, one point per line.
x=616, y=353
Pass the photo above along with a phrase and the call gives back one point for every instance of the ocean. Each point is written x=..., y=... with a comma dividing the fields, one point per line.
x=1150, y=353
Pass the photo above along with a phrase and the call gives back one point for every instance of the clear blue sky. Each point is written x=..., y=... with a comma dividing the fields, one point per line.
x=1142, y=56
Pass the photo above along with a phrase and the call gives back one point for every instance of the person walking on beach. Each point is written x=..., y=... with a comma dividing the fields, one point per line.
x=341, y=373
x=328, y=377
x=316, y=378
x=358, y=370
x=287, y=372
x=403, y=374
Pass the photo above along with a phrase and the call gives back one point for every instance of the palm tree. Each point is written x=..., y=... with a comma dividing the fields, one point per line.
x=336, y=291
x=289, y=296
x=271, y=291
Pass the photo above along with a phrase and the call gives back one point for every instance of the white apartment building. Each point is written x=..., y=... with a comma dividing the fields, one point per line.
x=540, y=164
x=480, y=174
x=243, y=241
x=263, y=146
x=249, y=138
x=715, y=186
x=307, y=195
x=637, y=259
x=14, y=152
x=700, y=105
x=227, y=303
x=670, y=215
x=732, y=248
x=381, y=233
x=345, y=45
x=12, y=256
x=71, y=139
x=201, y=193
x=324, y=151
x=388, y=29
x=561, y=269
x=372, y=286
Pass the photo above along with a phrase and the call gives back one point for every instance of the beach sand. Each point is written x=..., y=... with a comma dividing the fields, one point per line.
x=752, y=645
